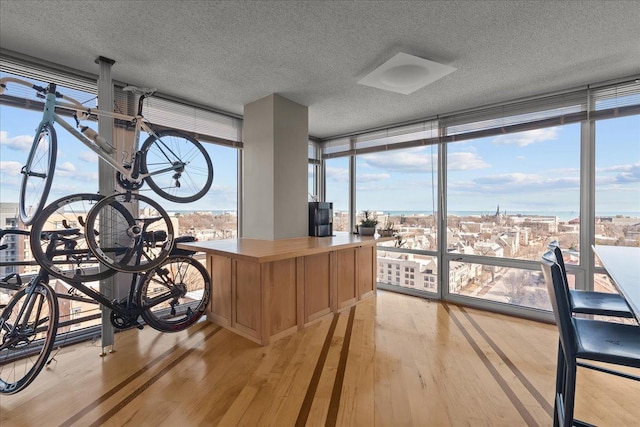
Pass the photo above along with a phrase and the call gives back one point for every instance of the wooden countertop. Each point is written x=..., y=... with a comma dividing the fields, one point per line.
x=258, y=250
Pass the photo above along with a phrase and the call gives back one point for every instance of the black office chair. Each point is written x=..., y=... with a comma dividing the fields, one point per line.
x=589, y=302
x=584, y=339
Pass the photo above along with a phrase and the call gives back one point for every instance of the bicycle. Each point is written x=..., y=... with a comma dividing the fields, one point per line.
x=169, y=298
x=173, y=164
x=123, y=232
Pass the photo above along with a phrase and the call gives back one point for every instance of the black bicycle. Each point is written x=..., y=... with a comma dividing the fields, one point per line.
x=169, y=297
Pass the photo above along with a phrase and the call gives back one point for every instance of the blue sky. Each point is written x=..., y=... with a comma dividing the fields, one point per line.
x=531, y=171
x=77, y=166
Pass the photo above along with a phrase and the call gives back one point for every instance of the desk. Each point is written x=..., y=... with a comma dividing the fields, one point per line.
x=266, y=289
x=623, y=265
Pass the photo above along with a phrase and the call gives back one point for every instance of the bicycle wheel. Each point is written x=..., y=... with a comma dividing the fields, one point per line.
x=62, y=249
x=180, y=169
x=131, y=243
x=175, y=294
x=38, y=173
x=28, y=328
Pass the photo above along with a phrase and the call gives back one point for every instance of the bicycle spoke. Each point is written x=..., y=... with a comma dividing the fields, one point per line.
x=134, y=233
x=63, y=250
x=178, y=167
x=175, y=294
x=29, y=324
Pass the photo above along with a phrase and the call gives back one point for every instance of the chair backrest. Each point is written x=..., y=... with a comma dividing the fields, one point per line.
x=559, y=259
x=559, y=297
x=555, y=247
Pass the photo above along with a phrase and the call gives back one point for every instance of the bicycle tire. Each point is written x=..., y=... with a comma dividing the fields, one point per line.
x=129, y=243
x=164, y=151
x=38, y=173
x=74, y=261
x=184, y=275
x=22, y=359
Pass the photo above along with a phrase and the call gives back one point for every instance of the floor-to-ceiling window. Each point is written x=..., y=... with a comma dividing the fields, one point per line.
x=212, y=217
x=508, y=196
x=399, y=188
x=508, y=180
x=617, y=188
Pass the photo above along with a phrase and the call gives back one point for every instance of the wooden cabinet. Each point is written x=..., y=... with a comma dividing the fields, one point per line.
x=263, y=290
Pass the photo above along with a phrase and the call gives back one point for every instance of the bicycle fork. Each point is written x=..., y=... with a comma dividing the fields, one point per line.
x=21, y=329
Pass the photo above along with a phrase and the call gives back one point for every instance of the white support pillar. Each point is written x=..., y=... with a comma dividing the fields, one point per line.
x=106, y=181
x=275, y=172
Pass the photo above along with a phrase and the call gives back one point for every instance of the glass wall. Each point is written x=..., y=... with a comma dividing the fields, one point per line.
x=508, y=196
x=212, y=217
x=337, y=191
x=399, y=188
x=511, y=178
x=617, y=181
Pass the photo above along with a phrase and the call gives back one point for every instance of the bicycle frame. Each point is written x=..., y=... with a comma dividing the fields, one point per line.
x=129, y=310
x=131, y=174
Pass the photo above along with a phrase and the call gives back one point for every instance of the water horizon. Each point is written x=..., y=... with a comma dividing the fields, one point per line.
x=562, y=215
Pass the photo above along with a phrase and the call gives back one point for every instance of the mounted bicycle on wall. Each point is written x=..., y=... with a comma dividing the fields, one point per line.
x=87, y=237
x=175, y=165
x=169, y=297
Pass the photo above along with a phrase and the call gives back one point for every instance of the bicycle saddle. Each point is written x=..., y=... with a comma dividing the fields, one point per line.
x=143, y=91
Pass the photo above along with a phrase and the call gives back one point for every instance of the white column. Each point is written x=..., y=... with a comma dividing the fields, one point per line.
x=275, y=169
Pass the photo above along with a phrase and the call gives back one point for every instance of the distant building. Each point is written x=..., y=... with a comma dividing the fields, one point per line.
x=17, y=246
x=407, y=270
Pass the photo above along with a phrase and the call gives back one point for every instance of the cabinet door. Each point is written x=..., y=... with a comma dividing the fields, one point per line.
x=366, y=258
x=346, y=277
x=220, y=306
x=317, y=296
x=280, y=282
x=247, y=313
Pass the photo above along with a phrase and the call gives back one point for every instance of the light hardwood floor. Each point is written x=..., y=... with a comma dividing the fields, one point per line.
x=392, y=360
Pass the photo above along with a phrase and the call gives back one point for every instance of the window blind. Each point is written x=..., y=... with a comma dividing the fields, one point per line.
x=204, y=125
x=160, y=110
x=403, y=136
x=48, y=73
x=616, y=100
x=604, y=101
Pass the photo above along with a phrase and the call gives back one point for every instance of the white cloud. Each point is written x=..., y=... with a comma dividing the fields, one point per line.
x=466, y=161
x=88, y=156
x=372, y=177
x=527, y=137
x=338, y=174
x=415, y=160
x=10, y=168
x=17, y=143
x=620, y=174
x=65, y=169
x=67, y=166
x=523, y=183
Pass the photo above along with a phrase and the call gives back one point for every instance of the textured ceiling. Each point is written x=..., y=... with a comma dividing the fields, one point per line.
x=226, y=54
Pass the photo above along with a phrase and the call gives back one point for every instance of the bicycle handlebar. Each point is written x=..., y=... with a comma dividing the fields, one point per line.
x=62, y=232
x=4, y=232
x=73, y=104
